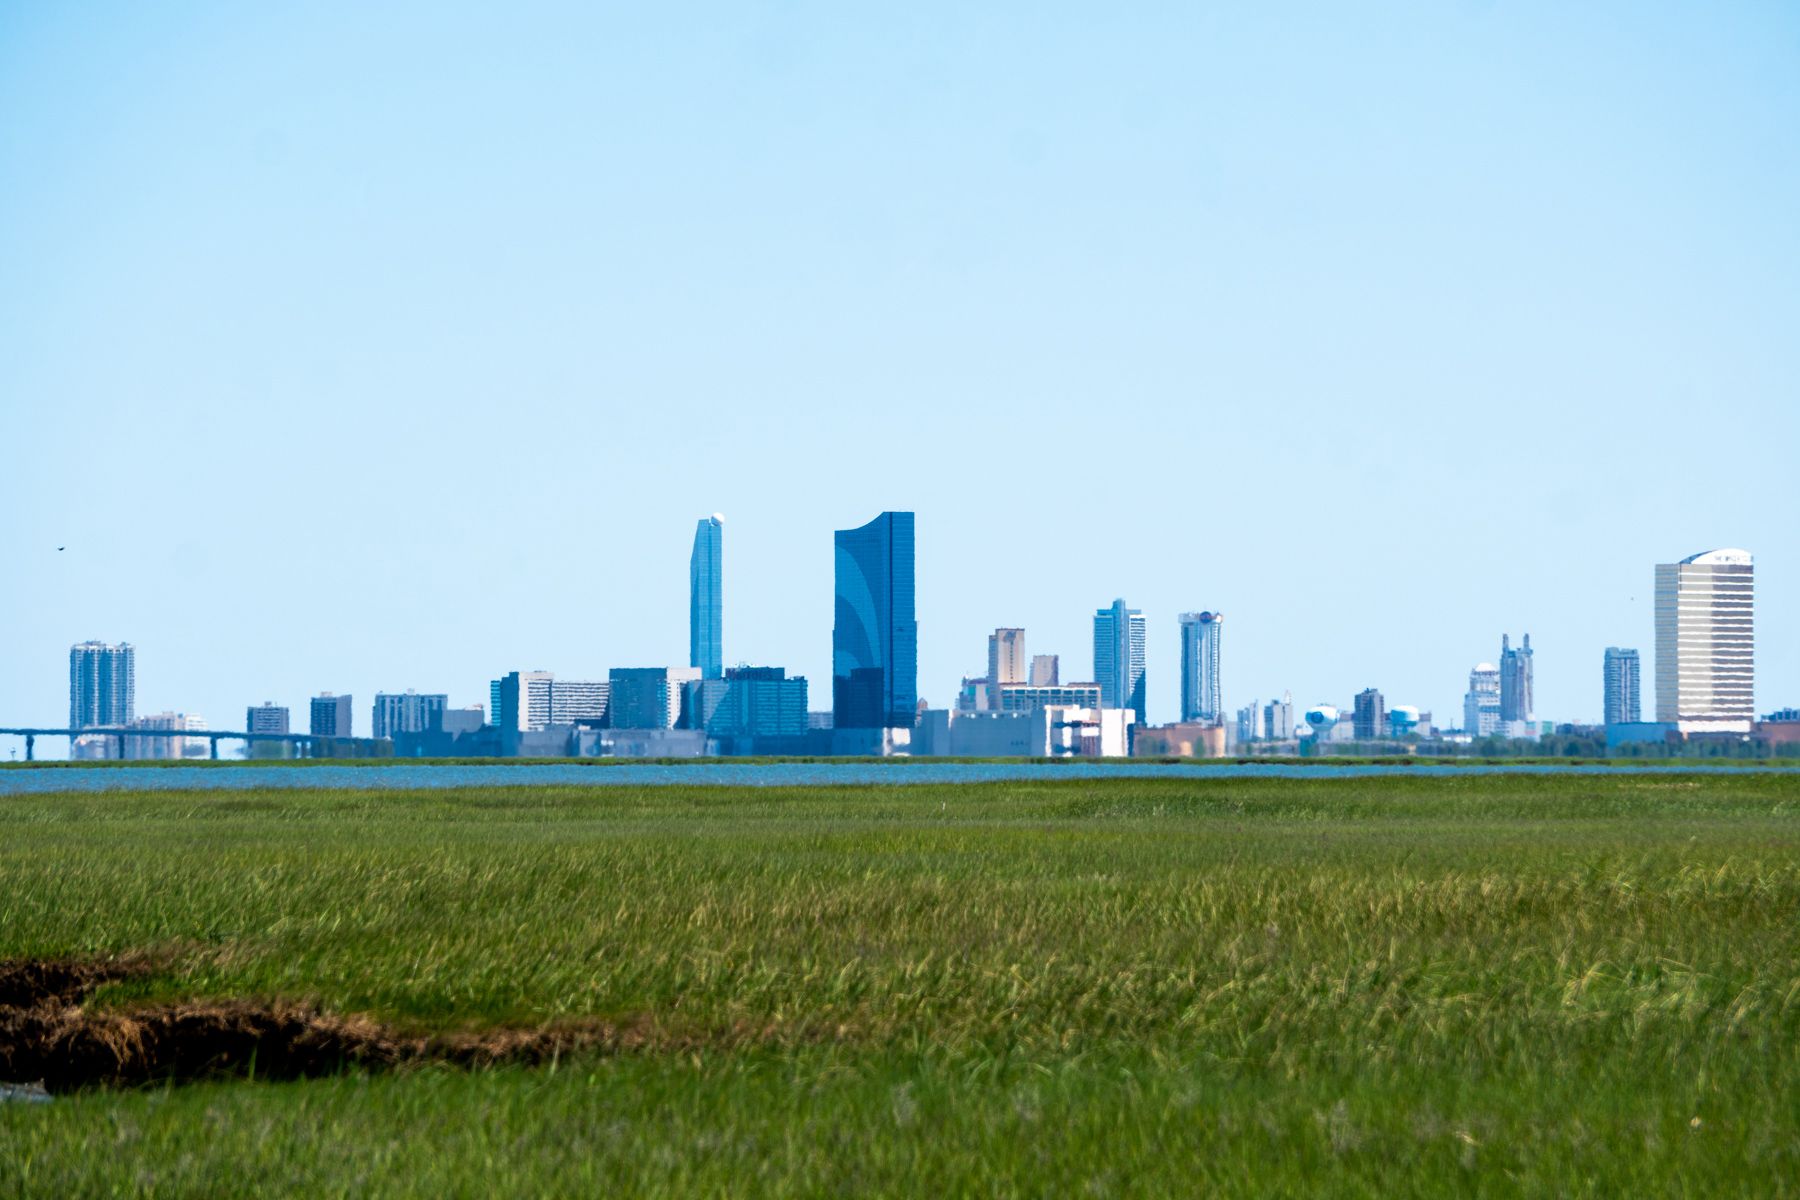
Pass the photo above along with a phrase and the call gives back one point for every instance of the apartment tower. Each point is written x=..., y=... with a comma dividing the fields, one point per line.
x=1621, y=687
x=1201, y=695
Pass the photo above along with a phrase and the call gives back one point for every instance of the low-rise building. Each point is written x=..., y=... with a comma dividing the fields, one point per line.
x=1026, y=697
x=167, y=747
x=1779, y=729
x=1088, y=732
x=1056, y=731
x=407, y=712
x=641, y=743
x=747, y=702
x=647, y=697
x=458, y=721
x=1184, y=739
x=979, y=734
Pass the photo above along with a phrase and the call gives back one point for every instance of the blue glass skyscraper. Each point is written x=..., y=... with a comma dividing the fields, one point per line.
x=706, y=606
x=1119, y=657
x=875, y=638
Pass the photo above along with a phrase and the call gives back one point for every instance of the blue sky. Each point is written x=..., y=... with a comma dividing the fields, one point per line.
x=356, y=348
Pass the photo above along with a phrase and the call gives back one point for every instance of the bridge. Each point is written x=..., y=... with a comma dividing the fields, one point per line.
x=304, y=743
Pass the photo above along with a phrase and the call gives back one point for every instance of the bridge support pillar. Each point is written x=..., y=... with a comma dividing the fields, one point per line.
x=30, y=746
x=214, y=747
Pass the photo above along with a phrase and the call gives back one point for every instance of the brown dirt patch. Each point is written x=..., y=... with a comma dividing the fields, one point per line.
x=28, y=982
x=46, y=1036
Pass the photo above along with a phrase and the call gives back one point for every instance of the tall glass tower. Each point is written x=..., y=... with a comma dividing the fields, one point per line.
x=875, y=637
x=1201, y=695
x=706, y=606
x=1119, y=657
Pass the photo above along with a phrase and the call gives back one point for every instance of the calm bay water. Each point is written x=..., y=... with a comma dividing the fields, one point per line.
x=31, y=780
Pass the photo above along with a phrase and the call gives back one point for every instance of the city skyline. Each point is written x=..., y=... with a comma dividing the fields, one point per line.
x=887, y=544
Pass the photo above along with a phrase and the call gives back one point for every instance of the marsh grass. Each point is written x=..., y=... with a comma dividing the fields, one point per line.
x=1582, y=985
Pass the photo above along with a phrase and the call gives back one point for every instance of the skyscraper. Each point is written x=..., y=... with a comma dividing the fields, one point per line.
x=1119, y=657
x=267, y=717
x=1706, y=642
x=1006, y=656
x=330, y=716
x=1515, y=681
x=102, y=684
x=1621, y=687
x=1201, y=695
x=1481, y=704
x=706, y=606
x=875, y=635
x=1046, y=670
x=1369, y=719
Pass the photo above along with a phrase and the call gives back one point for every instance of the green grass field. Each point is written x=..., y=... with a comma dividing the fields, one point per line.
x=1472, y=985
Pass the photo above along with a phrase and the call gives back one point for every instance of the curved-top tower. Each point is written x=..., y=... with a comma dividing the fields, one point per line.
x=1706, y=642
x=875, y=634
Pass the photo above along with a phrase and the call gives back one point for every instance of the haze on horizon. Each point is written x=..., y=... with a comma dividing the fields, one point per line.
x=360, y=351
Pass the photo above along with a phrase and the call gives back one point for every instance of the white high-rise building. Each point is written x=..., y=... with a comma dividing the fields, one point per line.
x=1201, y=696
x=1706, y=643
x=573, y=700
x=1481, y=704
x=102, y=684
x=1046, y=670
x=1006, y=656
x=1278, y=718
